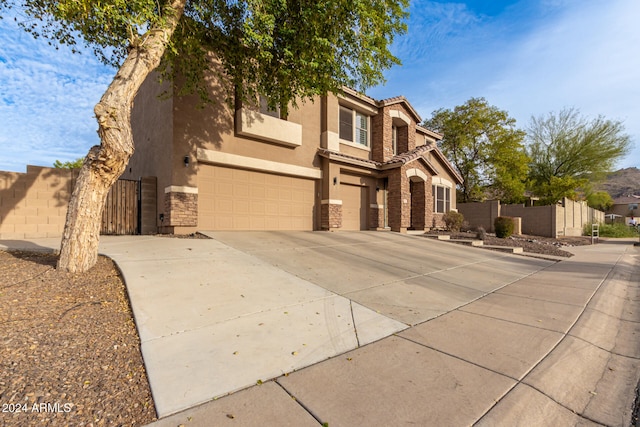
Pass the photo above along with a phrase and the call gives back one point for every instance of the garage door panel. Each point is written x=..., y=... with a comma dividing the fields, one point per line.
x=257, y=191
x=284, y=194
x=271, y=208
x=241, y=207
x=233, y=199
x=271, y=193
x=223, y=206
x=222, y=174
x=258, y=207
x=224, y=188
x=354, y=207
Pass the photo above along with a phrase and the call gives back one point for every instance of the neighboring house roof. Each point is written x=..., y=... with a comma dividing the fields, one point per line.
x=396, y=161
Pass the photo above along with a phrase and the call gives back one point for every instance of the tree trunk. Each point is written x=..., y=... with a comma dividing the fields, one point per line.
x=105, y=163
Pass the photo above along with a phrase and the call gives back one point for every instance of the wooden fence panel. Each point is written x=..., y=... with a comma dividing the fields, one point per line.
x=120, y=214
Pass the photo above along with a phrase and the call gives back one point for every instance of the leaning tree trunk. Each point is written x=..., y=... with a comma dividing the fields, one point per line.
x=105, y=162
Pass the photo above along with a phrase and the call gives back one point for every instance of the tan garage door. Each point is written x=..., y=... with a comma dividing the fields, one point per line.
x=354, y=207
x=235, y=199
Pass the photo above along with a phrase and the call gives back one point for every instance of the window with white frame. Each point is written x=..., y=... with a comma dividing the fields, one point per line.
x=354, y=126
x=441, y=199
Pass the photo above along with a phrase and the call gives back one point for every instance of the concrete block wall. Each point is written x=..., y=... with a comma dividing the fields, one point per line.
x=480, y=214
x=536, y=220
x=548, y=221
x=34, y=204
x=576, y=215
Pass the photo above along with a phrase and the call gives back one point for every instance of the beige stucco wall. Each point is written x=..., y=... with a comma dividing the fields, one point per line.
x=213, y=128
x=152, y=125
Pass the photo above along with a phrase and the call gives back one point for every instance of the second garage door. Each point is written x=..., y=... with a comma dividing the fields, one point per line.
x=354, y=207
x=236, y=199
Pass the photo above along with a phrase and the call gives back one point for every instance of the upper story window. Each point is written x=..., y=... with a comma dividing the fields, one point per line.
x=257, y=120
x=264, y=108
x=394, y=139
x=354, y=126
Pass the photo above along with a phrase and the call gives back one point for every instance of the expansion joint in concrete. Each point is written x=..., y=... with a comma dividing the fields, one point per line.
x=353, y=319
x=302, y=405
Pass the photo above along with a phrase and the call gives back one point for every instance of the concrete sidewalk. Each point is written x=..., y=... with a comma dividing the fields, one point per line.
x=557, y=347
x=364, y=328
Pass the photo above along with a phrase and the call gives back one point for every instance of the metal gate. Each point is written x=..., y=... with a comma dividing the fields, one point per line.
x=121, y=214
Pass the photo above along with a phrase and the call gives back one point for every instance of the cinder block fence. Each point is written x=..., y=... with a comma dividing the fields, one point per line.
x=34, y=204
x=565, y=219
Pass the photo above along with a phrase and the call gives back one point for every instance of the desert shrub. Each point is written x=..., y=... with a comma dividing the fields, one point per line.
x=453, y=220
x=481, y=233
x=613, y=230
x=503, y=226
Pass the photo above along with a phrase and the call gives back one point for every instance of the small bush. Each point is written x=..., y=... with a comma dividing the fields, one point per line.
x=504, y=226
x=481, y=233
x=453, y=220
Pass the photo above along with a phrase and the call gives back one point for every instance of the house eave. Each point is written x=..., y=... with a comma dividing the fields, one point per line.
x=340, y=158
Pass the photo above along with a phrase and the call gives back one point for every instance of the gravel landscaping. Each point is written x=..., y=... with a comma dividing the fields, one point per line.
x=70, y=350
x=530, y=244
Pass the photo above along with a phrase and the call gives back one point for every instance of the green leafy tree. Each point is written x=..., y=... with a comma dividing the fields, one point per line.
x=484, y=145
x=570, y=153
x=76, y=164
x=290, y=50
x=600, y=200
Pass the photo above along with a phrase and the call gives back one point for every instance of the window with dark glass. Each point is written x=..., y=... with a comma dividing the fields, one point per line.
x=441, y=199
x=346, y=124
x=264, y=108
x=354, y=126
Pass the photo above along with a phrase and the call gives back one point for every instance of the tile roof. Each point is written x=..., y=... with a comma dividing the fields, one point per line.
x=409, y=156
x=330, y=153
x=384, y=102
x=401, y=159
x=398, y=100
x=396, y=161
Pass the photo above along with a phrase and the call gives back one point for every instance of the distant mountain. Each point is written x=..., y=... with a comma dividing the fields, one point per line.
x=622, y=182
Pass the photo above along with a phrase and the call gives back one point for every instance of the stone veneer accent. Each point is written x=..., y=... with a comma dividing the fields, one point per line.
x=330, y=215
x=381, y=124
x=376, y=217
x=418, y=204
x=180, y=209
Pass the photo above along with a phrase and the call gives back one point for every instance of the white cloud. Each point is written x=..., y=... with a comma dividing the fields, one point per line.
x=46, y=106
x=531, y=59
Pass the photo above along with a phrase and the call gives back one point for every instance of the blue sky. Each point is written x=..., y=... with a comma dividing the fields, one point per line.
x=526, y=57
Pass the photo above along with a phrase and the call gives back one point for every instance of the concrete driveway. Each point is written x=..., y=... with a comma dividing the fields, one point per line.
x=408, y=278
x=379, y=328
x=494, y=339
x=216, y=316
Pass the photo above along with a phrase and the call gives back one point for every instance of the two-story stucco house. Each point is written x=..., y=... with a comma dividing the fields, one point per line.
x=344, y=162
